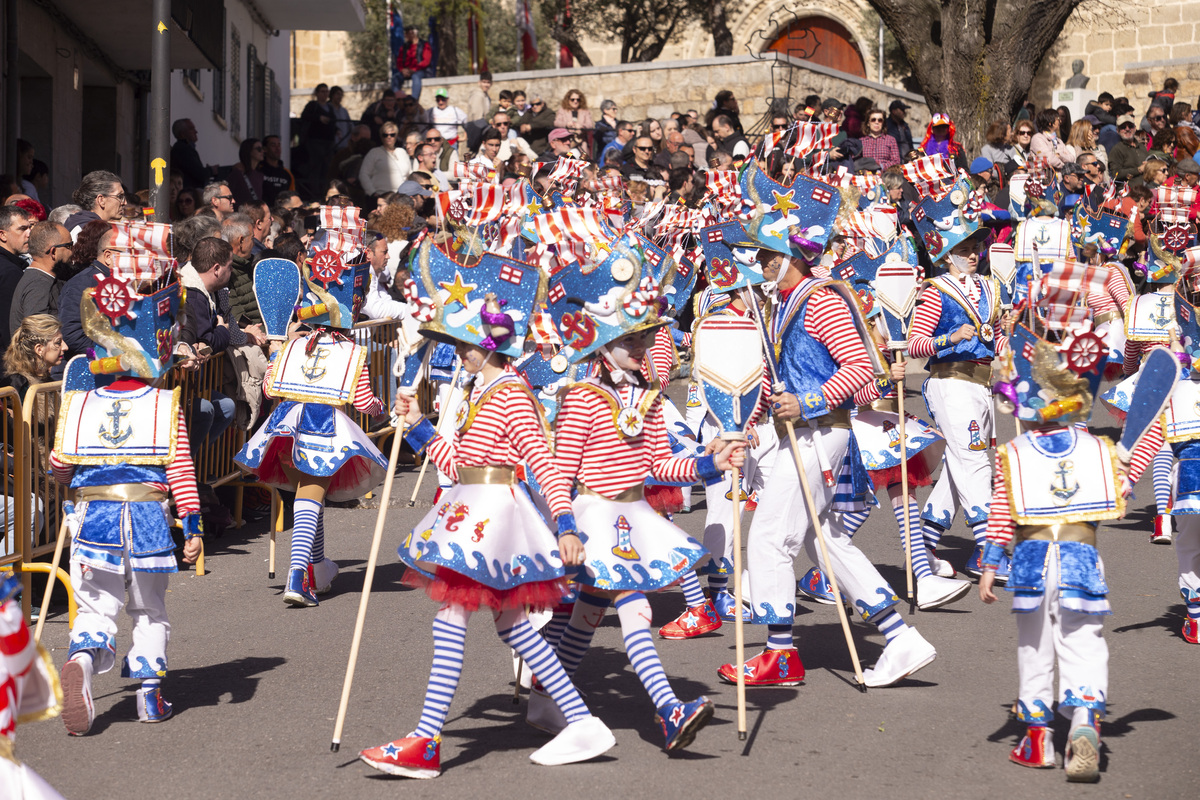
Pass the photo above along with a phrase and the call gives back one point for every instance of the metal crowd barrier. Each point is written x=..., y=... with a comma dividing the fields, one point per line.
x=37, y=507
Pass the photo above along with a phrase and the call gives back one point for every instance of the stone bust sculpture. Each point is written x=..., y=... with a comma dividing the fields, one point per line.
x=1077, y=80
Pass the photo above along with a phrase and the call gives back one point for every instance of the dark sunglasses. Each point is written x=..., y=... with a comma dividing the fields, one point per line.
x=54, y=247
x=389, y=136
x=433, y=138
x=643, y=149
x=783, y=127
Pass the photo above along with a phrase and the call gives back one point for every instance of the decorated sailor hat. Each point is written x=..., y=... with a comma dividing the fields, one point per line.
x=594, y=303
x=944, y=221
x=1106, y=231
x=1054, y=377
x=1187, y=305
x=796, y=220
x=886, y=284
x=730, y=257
x=676, y=278
x=130, y=315
x=335, y=270
x=1171, y=234
x=485, y=301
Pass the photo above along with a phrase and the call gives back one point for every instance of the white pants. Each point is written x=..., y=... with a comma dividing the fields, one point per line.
x=718, y=521
x=1075, y=640
x=101, y=596
x=782, y=527
x=958, y=406
x=1187, y=550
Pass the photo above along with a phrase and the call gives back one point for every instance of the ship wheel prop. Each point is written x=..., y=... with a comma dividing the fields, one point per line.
x=327, y=267
x=1085, y=352
x=114, y=298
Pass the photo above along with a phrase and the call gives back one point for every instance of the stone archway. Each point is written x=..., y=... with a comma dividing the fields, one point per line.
x=822, y=41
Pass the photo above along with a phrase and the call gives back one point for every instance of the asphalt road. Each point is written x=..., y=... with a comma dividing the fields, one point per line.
x=256, y=684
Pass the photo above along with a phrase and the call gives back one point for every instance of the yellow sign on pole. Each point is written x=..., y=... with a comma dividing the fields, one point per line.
x=158, y=165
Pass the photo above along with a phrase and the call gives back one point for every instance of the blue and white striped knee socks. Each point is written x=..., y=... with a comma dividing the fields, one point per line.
x=920, y=557
x=1164, y=459
x=307, y=515
x=514, y=629
x=693, y=595
x=577, y=638
x=634, y=613
x=890, y=624
x=853, y=520
x=318, y=546
x=449, y=643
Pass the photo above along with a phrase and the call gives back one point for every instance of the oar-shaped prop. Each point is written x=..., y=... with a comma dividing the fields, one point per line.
x=727, y=366
x=1157, y=378
x=277, y=290
x=897, y=284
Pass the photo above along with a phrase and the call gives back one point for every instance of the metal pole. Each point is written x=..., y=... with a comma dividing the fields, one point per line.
x=12, y=89
x=160, y=109
x=881, y=49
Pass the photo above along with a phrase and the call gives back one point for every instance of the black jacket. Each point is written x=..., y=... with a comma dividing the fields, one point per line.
x=186, y=159
x=68, y=309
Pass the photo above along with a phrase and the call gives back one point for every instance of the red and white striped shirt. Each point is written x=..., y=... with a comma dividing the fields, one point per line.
x=590, y=449
x=506, y=430
x=364, y=399
x=181, y=473
x=660, y=356
x=1116, y=285
x=921, y=342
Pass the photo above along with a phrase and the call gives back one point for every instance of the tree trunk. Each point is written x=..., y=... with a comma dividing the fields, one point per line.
x=447, y=33
x=722, y=36
x=567, y=38
x=975, y=59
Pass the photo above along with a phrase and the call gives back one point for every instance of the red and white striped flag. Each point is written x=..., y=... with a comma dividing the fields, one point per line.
x=152, y=237
x=567, y=169
x=571, y=224
x=812, y=136
x=339, y=217
x=929, y=175
x=1065, y=289
x=873, y=223
x=465, y=169
x=487, y=203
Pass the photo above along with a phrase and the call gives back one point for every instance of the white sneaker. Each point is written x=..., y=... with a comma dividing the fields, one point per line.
x=323, y=574
x=579, y=741
x=934, y=591
x=942, y=569
x=903, y=656
x=543, y=713
x=1082, y=759
x=78, y=712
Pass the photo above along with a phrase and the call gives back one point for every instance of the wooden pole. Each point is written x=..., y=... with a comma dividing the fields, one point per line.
x=384, y=499
x=412, y=501
x=276, y=524
x=815, y=521
x=908, y=540
x=517, y=687
x=58, y=550
x=738, y=629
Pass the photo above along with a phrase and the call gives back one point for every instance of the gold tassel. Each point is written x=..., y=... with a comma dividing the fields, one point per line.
x=100, y=330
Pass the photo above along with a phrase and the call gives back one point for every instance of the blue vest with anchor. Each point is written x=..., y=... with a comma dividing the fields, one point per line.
x=953, y=317
x=804, y=363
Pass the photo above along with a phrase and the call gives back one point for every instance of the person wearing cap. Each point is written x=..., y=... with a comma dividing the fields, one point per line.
x=1073, y=181
x=1126, y=156
x=898, y=128
x=1187, y=173
x=877, y=143
x=561, y=142
x=606, y=126
x=535, y=124
x=445, y=117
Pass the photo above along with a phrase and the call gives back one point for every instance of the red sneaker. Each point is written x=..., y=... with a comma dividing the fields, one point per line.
x=410, y=757
x=696, y=621
x=768, y=668
x=1162, y=530
x=1035, y=750
x=1191, y=631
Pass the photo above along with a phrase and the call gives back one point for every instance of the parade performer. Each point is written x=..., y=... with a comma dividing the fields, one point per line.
x=485, y=544
x=957, y=327
x=123, y=448
x=819, y=341
x=1179, y=435
x=309, y=445
x=611, y=436
x=1054, y=484
x=877, y=426
x=30, y=693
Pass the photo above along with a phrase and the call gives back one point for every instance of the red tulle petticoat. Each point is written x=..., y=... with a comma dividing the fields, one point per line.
x=451, y=587
x=919, y=474
x=665, y=499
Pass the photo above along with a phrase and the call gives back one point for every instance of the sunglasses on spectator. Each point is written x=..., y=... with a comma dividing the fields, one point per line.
x=118, y=196
x=538, y=103
x=1024, y=132
x=228, y=197
x=503, y=124
x=389, y=136
x=54, y=247
x=433, y=138
x=782, y=127
x=573, y=99
x=1155, y=117
x=643, y=149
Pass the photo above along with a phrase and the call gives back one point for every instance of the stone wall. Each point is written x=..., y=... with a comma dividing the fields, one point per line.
x=1127, y=49
x=320, y=57
x=658, y=88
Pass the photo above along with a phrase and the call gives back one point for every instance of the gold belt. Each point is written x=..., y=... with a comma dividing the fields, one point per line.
x=838, y=418
x=6, y=748
x=973, y=371
x=491, y=474
x=121, y=493
x=885, y=404
x=1107, y=316
x=630, y=495
x=1062, y=532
